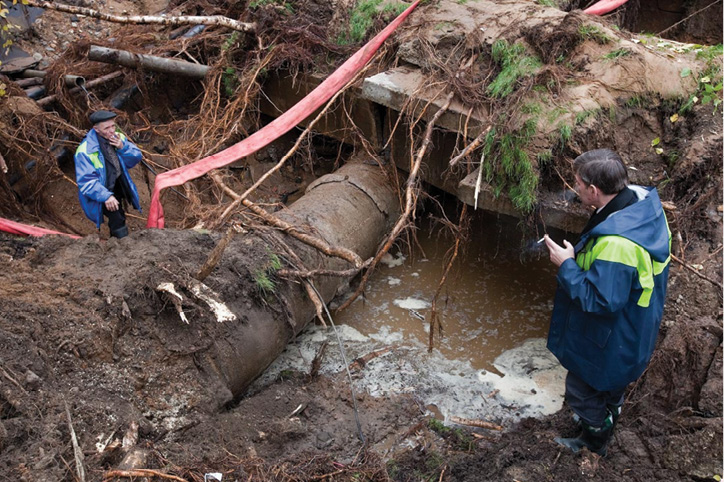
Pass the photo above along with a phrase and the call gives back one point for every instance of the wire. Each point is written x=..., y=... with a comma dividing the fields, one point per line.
x=360, y=434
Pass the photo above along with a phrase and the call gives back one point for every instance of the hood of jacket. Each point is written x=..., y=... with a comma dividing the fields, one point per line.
x=643, y=223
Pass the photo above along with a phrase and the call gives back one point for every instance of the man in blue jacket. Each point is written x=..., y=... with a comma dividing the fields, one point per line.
x=102, y=161
x=610, y=296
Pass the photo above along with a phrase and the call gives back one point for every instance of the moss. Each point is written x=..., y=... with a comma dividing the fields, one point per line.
x=514, y=63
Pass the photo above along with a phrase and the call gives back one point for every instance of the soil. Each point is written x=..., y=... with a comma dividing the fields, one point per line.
x=89, y=346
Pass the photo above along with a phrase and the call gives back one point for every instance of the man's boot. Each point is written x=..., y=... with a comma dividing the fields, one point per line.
x=119, y=233
x=594, y=439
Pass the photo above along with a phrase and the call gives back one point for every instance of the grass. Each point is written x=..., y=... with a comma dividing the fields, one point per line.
x=544, y=157
x=363, y=17
x=565, y=133
x=593, y=32
x=585, y=114
x=547, y=3
x=514, y=63
x=507, y=165
x=637, y=101
x=617, y=54
x=263, y=282
x=556, y=113
x=457, y=437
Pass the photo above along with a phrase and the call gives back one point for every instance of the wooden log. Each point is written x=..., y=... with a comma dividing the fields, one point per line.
x=149, y=62
x=476, y=423
x=217, y=20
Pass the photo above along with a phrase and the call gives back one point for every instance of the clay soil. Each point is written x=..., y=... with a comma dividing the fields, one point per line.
x=89, y=349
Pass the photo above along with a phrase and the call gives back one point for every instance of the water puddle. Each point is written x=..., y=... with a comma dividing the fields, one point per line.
x=491, y=362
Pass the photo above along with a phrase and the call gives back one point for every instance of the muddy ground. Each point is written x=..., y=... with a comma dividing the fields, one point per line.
x=83, y=326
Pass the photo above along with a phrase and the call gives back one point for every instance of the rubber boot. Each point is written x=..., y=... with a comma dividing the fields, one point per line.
x=121, y=232
x=615, y=411
x=594, y=439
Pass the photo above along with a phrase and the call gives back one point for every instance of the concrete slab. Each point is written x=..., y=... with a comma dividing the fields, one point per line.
x=408, y=87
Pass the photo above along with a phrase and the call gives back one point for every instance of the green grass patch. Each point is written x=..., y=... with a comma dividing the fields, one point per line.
x=593, y=32
x=638, y=101
x=544, y=157
x=363, y=17
x=564, y=135
x=508, y=167
x=617, y=54
x=547, y=3
x=556, y=113
x=585, y=114
x=514, y=63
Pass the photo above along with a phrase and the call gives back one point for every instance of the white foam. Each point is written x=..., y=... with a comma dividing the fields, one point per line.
x=393, y=261
x=393, y=281
x=412, y=304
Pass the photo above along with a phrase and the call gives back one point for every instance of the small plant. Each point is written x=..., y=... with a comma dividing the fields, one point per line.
x=585, y=114
x=617, y=54
x=637, y=101
x=254, y=4
x=547, y=3
x=265, y=284
x=229, y=42
x=544, y=157
x=531, y=108
x=564, y=134
x=264, y=277
x=593, y=32
x=515, y=64
x=230, y=81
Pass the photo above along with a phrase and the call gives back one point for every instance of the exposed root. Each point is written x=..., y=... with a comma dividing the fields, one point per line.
x=410, y=203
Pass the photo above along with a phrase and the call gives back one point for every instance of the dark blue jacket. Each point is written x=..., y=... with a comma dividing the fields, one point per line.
x=90, y=174
x=610, y=300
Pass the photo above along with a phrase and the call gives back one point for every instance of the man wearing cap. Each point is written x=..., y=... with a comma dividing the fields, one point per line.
x=102, y=161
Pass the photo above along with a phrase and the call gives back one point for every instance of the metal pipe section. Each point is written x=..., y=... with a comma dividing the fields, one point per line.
x=355, y=208
x=149, y=62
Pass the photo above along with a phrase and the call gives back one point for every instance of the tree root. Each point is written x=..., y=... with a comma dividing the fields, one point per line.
x=410, y=202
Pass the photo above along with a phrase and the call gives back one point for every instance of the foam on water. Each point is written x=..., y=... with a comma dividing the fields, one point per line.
x=412, y=304
x=530, y=383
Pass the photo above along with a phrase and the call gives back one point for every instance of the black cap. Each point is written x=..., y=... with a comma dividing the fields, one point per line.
x=100, y=116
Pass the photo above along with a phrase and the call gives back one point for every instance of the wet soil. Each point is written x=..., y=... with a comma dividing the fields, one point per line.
x=82, y=327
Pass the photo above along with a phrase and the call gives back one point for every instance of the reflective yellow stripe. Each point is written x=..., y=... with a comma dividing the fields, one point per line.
x=621, y=250
x=93, y=156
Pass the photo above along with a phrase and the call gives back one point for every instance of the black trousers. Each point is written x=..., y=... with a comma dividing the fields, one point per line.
x=588, y=403
x=117, y=219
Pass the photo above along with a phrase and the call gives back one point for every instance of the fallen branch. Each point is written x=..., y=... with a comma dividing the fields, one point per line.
x=140, y=473
x=215, y=255
x=696, y=272
x=470, y=147
x=317, y=243
x=434, y=316
x=410, y=201
x=476, y=423
x=359, y=363
x=77, y=452
x=217, y=20
x=289, y=273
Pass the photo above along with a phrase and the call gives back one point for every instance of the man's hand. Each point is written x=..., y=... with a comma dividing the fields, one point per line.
x=112, y=204
x=115, y=140
x=559, y=253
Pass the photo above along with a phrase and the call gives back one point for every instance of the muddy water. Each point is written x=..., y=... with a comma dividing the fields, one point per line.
x=498, y=295
x=491, y=363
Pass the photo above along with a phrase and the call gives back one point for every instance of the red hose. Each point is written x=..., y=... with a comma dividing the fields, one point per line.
x=281, y=125
x=604, y=6
x=27, y=230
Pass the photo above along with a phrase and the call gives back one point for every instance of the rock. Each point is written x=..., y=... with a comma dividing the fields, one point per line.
x=32, y=381
x=324, y=440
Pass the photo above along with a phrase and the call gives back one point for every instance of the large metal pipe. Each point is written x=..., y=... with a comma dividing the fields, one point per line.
x=149, y=62
x=354, y=208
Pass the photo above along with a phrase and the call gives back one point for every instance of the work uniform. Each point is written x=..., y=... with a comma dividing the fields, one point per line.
x=609, y=302
x=100, y=178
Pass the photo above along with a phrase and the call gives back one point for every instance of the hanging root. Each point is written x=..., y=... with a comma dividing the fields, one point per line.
x=410, y=203
x=460, y=232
